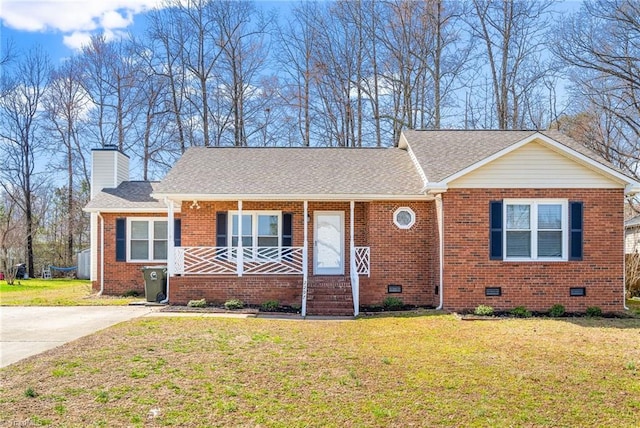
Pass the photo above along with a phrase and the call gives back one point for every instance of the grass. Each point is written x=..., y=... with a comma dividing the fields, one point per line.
x=54, y=292
x=634, y=305
x=391, y=371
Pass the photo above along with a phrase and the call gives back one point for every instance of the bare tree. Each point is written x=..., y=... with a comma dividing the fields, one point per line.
x=20, y=111
x=600, y=45
x=65, y=104
x=110, y=78
x=511, y=31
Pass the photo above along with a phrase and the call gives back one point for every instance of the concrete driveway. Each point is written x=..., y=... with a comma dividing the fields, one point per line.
x=26, y=331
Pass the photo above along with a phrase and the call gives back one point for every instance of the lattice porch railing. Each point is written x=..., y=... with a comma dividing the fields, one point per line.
x=362, y=260
x=223, y=261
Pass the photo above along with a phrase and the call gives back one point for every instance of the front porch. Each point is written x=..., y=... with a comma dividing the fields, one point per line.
x=264, y=249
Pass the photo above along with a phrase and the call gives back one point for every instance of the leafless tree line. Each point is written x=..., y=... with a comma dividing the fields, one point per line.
x=348, y=73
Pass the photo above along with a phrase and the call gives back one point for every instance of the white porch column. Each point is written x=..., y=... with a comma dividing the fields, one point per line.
x=305, y=260
x=351, y=241
x=240, y=256
x=171, y=268
x=355, y=280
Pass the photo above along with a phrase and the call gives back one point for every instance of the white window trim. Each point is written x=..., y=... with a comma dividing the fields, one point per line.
x=150, y=221
x=254, y=233
x=404, y=226
x=534, y=203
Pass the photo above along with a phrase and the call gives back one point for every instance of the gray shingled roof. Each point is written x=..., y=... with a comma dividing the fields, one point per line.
x=292, y=171
x=129, y=195
x=444, y=153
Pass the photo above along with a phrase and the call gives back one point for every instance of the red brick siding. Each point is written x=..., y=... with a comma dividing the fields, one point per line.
x=401, y=256
x=536, y=285
x=251, y=289
x=120, y=277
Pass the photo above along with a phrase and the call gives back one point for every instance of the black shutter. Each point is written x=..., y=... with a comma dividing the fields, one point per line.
x=221, y=229
x=575, y=230
x=121, y=239
x=495, y=230
x=177, y=232
x=287, y=230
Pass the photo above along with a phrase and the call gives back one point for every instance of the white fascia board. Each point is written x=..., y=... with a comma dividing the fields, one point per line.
x=403, y=144
x=128, y=210
x=289, y=197
x=436, y=188
x=576, y=156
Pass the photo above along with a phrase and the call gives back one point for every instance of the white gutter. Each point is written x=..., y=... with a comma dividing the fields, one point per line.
x=342, y=197
x=101, y=254
x=624, y=267
x=440, y=215
x=170, y=245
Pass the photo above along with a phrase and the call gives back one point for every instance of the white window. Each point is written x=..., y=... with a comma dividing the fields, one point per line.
x=261, y=233
x=404, y=217
x=536, y=229
x=147, y=239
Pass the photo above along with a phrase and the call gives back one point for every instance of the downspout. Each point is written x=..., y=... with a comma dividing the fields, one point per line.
x=305, y=261
x=624, y=267
x=101, y=254
x=440, y=215
x=170, y=245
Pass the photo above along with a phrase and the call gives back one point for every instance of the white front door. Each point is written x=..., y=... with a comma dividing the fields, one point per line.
x=328, y=254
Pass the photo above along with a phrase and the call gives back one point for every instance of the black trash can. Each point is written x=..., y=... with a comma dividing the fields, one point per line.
x=155, y=283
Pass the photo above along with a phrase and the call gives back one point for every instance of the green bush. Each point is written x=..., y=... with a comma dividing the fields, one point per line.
x=593, y=311
x=233, y=304
x=30, y=393
x=392, y=304
x=202, y=303
x=131, y=293
x=556, y=311
x=270, y=306
x=483, y=310
x=520, y=312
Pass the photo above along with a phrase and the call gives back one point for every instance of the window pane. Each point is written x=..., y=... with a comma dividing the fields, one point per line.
x=518, y=216
x=270, y=241
x=518, y=244
x=160, y=250
x=550, y=244
x=160, y=230
x=139, y=230
x=139, y=250
x=549, y=216
x=247, y=241
x=246, y=224
x=268, y=225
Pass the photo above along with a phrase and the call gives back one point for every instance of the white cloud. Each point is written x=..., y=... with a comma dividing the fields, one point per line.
x=74, y=18
x=77, y=39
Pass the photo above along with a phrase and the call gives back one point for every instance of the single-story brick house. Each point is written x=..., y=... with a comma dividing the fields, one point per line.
x=448, y=219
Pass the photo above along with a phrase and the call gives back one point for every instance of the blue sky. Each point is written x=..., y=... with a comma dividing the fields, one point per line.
x=61, y=27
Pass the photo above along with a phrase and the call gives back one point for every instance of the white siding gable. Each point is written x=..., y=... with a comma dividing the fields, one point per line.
x=534, y=166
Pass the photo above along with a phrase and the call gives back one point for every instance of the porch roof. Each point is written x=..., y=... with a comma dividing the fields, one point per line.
x=129, y=196
x=294, y=173
x=446, y=152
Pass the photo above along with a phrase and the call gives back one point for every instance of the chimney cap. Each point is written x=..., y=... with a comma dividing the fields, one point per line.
x=109, y=148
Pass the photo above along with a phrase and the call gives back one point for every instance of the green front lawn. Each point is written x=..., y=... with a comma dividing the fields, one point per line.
x=54, y=292
x=414, y=371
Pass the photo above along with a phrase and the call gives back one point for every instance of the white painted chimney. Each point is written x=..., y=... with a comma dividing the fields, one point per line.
x=109, y=168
